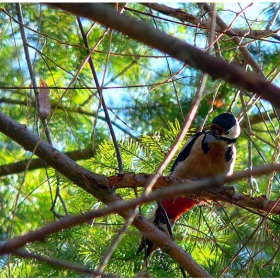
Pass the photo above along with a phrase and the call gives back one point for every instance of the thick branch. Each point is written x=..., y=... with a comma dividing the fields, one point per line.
x=131, y=180
x=95, y=184
x=143, y=32
x=56, y=159
x=103, y=188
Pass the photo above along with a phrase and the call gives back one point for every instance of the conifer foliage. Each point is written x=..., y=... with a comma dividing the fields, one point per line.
x=114, y=99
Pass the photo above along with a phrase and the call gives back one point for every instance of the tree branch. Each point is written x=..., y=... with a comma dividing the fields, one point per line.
x=198, y=22
x=103, y=188
x=60, y=263
x=36, y=163
x=95, y=184
x=246, y=54
x=77, y=110
x=56, y=159
x=225, y=194
x=143, y=32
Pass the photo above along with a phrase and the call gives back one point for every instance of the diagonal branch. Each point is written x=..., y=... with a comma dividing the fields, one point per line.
x=62, y=264
x=35, y=163
x=143, y=32
x=95, y=184
x=198, y=22
x=246, y=54
x=99, y=89
x=103, y=188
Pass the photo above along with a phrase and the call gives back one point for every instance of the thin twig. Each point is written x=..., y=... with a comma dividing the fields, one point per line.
x=178, y=49
x=204, y=76
x=245, y=265
x=273, y=256
x=34, y=85
x=250, y=158
x=236, y=40
x=26, y=52
x=187, y=124
x=171, y=77
x=130, y=219
x=249, y=238
x=29, y=65
x=235, y=230
x=273, y=19
x=99, y=89
x=111, y=249
x=60, y=263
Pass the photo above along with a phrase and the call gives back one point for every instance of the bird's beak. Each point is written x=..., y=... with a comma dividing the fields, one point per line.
x=211, y=136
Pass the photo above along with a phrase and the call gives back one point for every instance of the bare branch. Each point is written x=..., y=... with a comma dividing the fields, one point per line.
x=20, y=166
x=131, y=180
x=246, y=54
x=103, y=188
x=99, y=89
x=143, y=32
x=60, y=263
x=56, y=159
x=186, y=17
x=95, y=184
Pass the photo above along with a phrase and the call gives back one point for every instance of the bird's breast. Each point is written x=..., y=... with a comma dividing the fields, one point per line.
x=200, y=165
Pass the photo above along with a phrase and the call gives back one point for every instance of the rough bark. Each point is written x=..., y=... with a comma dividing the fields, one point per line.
x=103, y=188
x=93, y=183
x=216, y=67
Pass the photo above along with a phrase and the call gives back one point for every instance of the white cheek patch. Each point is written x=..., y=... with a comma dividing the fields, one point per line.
x=234, y=132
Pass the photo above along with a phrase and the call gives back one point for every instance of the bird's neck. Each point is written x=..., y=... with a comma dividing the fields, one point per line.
x=228, y=140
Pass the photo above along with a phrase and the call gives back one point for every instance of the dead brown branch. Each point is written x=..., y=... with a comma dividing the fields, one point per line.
x=103, y=188
x=143, y=32
x=187, y=17
x=62, y=264
x=261, y=203
x=95, y=184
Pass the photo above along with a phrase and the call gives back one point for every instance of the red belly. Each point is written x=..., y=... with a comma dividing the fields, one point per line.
x=175, y=207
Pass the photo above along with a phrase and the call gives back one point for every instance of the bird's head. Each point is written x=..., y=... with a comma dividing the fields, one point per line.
x=224, y=127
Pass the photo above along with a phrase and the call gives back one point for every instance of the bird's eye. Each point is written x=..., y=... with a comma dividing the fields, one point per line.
x=217, y=128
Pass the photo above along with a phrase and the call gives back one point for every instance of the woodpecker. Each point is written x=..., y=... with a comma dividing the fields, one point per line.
x=206, y=154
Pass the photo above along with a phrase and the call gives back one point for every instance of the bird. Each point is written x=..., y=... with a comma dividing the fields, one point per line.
x=206, y=154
